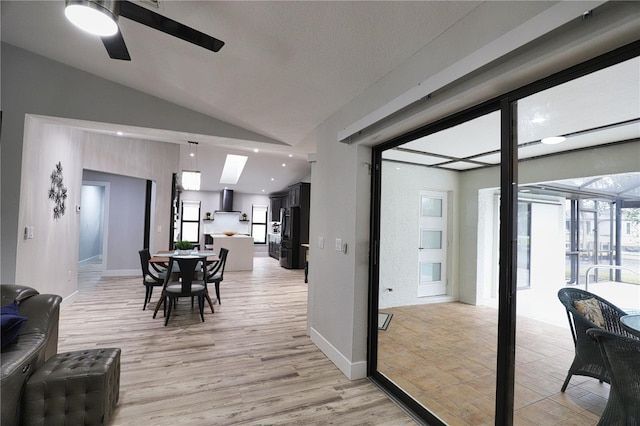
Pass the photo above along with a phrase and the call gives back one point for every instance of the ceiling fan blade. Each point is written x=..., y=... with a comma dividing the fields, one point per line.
x=169, y=26
x=116, y=47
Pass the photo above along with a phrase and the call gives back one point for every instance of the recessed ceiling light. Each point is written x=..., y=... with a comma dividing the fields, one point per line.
x=284, y=165
x=192, y=154
x=263, y=190
x=272, y=179
x=553, y=140
x=538, y=119
x=256, y=150
x=233, y=166
x=290, y=155
x=119, y=133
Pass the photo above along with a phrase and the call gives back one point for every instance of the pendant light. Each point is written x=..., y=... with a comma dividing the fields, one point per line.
x=99, y=17
x=191, y=178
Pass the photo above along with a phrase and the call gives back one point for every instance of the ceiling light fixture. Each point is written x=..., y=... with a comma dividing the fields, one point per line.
x=191, y=178
x=233, y=166
x=553, y=140
x=119, y=133
x=256, y=150
x=284, y=165
x=99, y=17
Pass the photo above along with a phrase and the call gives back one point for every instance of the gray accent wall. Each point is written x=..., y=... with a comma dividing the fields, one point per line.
x=125, y=217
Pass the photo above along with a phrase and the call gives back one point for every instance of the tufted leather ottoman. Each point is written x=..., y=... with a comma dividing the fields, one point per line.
x=74, y=388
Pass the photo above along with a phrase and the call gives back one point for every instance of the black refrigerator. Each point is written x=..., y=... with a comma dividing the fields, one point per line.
x=290, y=238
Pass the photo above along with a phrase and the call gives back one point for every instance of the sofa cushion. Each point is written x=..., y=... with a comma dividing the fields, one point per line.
x=11, y=323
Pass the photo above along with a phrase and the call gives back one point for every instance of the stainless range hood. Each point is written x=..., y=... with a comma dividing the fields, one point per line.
x=226, y=202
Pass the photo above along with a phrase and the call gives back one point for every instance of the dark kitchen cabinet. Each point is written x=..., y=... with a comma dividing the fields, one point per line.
x=299, y=194
x=277, y=203
x=295, y=226
x=274, y=246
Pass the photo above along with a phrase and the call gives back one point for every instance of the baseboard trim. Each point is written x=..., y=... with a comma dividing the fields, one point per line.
x=353, y=370
x=68, y=301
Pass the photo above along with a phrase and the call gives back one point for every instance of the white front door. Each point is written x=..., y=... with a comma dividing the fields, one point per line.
x=432, y=253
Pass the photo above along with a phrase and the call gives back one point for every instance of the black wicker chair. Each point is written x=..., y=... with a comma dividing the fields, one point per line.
x=621, y=355
x=588, y=359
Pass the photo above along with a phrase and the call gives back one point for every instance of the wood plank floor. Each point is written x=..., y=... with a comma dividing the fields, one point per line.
x=250, y=363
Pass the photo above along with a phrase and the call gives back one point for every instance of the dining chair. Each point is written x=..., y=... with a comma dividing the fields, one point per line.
x=150, y=278
x=621, y=355
x=214, y=273
x=586, y=310
x=185, y=288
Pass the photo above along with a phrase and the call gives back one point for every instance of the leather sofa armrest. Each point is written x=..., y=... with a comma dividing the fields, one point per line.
x=11, y=292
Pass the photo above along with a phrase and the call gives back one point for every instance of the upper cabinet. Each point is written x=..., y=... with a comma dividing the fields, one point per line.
x=276, y=204
x=299, y=194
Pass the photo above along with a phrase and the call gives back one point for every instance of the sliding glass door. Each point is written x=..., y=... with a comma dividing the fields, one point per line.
x=466, y=221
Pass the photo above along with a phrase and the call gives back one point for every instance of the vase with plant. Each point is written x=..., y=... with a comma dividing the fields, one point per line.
x=184, y=247
x=208, y=216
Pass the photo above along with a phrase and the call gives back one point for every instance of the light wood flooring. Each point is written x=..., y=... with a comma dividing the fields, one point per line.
x=250, y=363
x=445, y=356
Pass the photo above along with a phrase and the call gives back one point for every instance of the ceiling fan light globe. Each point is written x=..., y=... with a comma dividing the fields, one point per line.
x=92, y=17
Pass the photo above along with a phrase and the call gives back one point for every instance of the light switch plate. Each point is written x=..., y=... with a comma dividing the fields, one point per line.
x=321, y=242
x=338, y=244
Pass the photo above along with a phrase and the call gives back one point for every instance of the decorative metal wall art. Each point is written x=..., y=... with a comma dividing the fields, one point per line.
x=58, y=192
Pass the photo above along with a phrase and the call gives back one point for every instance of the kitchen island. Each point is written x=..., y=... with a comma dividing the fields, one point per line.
x=240, y=257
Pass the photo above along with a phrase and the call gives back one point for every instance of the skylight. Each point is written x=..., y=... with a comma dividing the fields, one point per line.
x=233, y=166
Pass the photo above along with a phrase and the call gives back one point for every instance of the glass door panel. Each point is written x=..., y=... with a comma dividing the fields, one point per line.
x=570, y=187
x=432, y=347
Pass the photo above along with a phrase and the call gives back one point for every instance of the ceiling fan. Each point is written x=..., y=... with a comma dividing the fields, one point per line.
x=100, y=17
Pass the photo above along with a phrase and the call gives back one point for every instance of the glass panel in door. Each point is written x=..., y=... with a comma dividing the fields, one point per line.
x=436, y=336
x=594, y=120
x=432, y=254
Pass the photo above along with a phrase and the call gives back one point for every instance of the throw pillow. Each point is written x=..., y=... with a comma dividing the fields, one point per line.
x=11, y=323
x=590, y=308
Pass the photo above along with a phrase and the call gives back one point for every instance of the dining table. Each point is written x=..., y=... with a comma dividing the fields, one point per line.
x=631, y=323
x=169, y=257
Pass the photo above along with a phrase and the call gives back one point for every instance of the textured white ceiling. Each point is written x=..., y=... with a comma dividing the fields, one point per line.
x=285, y=68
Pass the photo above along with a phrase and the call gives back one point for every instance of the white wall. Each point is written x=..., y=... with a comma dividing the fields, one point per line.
x=399, y=237
x=45, y=145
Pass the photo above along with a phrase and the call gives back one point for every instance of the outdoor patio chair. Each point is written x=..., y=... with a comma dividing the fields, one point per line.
x=621, y=355
x=584, y=311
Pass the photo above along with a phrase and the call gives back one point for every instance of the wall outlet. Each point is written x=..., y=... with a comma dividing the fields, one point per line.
x=321, y=242
x=338, y=244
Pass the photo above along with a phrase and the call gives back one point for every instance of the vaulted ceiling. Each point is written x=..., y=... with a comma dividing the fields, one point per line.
x=284, y=69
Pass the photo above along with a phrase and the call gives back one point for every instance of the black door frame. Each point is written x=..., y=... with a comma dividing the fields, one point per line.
x=508, y=232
